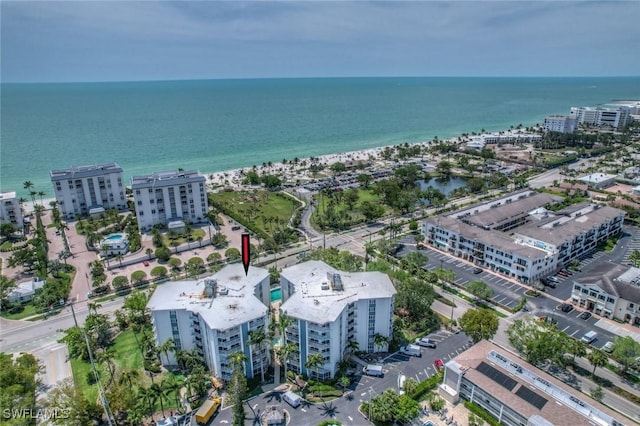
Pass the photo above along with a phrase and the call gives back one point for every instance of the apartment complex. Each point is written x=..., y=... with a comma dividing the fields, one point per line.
x=615, y=117
x=499, y=138
x=214, y=316
x=170, y=198
x=82, y=190
x=559, y=123
x=330, y=308
x=610, y=290
x=517, y=393
x=517, y=236
x=10, y=211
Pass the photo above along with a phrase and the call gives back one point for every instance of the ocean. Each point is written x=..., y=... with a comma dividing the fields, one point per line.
x=215, y=125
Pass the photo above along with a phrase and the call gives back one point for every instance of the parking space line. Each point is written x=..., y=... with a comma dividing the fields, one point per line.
x=574, y=333
x=565, y=329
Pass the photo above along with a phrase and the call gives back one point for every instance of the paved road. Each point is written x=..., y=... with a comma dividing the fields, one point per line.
x=345, y=409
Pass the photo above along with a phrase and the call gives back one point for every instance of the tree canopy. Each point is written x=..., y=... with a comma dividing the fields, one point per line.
x=479, y=324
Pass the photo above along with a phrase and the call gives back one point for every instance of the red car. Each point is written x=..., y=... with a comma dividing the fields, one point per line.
x=145, y=263
x=438, y=364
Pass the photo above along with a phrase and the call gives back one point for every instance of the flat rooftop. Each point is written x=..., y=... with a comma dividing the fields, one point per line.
x=87, y=170
x=315, y=299
x=528, y=390
x=234, y=303
x=7, y=195
x=173, y=177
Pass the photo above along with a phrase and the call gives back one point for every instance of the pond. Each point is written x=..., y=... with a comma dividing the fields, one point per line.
x=446, y=186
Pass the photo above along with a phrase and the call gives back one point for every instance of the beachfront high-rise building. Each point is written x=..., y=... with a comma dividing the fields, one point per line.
x=170, y=198
x=214, y=316
x=329, y=309
x=83, y=190
x=559, y=123
x=616, y=117
x=10, y=211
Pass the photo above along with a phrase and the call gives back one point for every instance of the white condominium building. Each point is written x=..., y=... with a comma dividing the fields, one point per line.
x=616, y=117
x=610, y=290
x=329, y=309
x=166, y=197
x=559, y=123
x=82, y=190
x=517, y=236
x=10, y=211
x=214, y=316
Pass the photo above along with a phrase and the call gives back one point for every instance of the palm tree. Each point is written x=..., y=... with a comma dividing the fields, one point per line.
x=29, y=185
x=107, y=357
x=237, y=360
x=284, y=352
x=169, y=345
x=352, y=346
x=149, y=252
x=314, y=361
x=379, y=341
x=157, y=394
x=577, y=348
x=145, y=395
x=173, y=385
x=284, y=321
x=129, y=376
x=597, y=358
x=258, y=337
x=41, y=194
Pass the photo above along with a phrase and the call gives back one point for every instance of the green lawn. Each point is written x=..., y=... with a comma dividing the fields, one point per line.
x=195, y=233
x=266, y=210
x=127, y=356
x=28, y=311
x=343, y=208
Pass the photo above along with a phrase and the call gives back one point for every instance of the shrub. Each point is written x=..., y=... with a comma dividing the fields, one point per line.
x=484, y=415
x=426, y=386
x=162, y=254
x=91, y=378
x=159, y=271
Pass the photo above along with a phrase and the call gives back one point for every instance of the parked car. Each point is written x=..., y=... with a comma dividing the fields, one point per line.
x=566, y=307
x=411, y=350
x=145, y=263
x=589, y=337
x=552, y=279
x=477, y=271
x=548, y=283
x=608, y=347
x=426, y=342
x=585, y=315
x=438, y=364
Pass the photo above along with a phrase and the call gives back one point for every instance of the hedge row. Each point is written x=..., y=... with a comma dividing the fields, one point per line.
x=484, y=415
x=426, y=386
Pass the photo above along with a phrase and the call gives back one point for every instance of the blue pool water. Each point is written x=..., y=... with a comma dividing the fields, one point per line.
x=114, y=237
x=276, y=295
x=428, y=424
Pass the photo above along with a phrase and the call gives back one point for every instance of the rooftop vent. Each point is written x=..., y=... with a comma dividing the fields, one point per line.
x=336, y=281
x=316, y=302
x=325, y=285
x=210, y=287
x=223, y=291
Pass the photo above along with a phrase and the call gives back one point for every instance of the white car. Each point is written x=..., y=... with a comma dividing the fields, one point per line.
x=401, y=379
x=608, y=347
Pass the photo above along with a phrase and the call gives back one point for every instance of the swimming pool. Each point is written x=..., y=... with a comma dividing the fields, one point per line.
x=428, y=424
x=114, y=237
x=276, y=294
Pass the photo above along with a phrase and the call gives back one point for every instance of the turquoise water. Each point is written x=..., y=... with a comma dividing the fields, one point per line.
x=276, y=294
x=114, y=237
x=217, y=125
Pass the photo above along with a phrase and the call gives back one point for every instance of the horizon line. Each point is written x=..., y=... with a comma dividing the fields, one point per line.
x=315, y=78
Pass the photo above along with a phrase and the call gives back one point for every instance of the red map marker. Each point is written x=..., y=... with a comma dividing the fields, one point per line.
x=246, y=253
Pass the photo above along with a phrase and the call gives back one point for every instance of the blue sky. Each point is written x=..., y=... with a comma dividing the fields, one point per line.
x=144, y=40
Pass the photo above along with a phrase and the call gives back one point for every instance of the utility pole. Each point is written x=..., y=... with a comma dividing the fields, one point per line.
x=103, y=396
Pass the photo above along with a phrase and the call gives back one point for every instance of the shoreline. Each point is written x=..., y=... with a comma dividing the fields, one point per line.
x=232, y=176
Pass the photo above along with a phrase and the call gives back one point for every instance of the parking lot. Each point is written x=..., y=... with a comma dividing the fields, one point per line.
x=505, y=293
x=345, y=409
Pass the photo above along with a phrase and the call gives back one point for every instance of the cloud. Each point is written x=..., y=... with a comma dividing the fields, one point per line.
x=115, y=39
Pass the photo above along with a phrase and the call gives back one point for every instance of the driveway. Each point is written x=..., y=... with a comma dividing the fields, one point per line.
x=345, y=409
